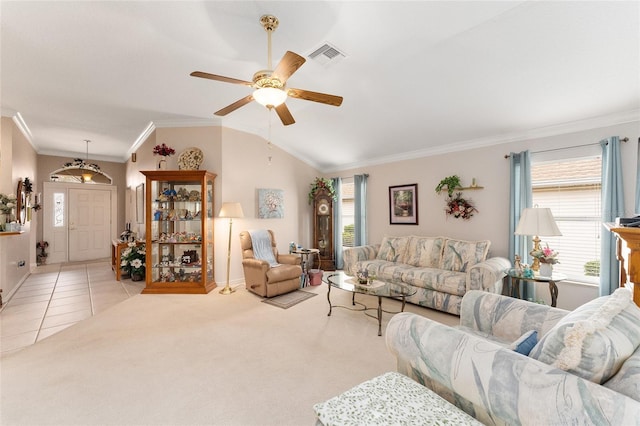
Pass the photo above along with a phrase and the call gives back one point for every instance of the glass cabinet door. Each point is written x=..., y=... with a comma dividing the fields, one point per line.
x=176, y=232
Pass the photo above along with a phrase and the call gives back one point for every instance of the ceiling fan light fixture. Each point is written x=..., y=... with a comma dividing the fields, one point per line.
x=270, y=96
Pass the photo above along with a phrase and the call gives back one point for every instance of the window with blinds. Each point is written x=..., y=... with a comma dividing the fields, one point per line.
x=571, y=189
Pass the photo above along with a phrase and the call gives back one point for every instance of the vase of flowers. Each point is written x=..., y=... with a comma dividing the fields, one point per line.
x=132, y=261
x=163, y=151
x=547, y=258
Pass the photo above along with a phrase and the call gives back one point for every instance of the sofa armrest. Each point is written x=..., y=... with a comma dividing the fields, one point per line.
x=289, y=259
x=488, y=275
x=506, y=317
x=496, y=385
x=352, y=255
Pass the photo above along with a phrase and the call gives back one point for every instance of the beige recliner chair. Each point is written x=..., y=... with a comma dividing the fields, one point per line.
x=263, y=279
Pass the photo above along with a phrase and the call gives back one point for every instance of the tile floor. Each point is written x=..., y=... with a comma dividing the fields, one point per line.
x=54, y=297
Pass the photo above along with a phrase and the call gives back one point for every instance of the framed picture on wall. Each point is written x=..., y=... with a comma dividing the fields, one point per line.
x=403, y=204
x=270, y=203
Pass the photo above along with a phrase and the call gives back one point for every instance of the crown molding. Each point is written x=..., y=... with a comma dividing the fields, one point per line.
x=20, y=124
x=68, y=154
x=541, y=132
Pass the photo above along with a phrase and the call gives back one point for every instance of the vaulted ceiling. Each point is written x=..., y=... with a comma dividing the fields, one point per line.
x=417, y=78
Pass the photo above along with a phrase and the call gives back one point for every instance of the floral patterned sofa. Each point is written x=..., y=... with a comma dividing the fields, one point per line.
x=442, y=269
x=584, y=369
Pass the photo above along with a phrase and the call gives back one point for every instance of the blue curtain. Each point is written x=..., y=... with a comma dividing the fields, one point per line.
x=337, y=223
x=360, y=210
x=612, y=207
x=520, y=197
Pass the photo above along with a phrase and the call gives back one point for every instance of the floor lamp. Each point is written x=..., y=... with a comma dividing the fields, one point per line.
x=535, y=221
x=230, y=210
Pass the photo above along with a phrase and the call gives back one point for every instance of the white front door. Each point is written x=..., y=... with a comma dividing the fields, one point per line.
x=79, y=221
x=89, y=224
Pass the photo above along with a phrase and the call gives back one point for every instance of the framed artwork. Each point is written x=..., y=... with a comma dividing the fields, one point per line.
x=140, y=203
x=403, y=204
x=270, y=203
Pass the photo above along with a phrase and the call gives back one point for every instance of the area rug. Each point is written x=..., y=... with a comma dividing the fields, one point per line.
x=287, y=300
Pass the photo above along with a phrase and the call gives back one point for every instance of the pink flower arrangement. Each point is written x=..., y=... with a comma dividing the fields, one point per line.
x=163, y=150
x=546, y=255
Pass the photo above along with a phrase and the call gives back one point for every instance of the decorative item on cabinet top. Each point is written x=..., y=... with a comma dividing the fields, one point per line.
x=190, y=159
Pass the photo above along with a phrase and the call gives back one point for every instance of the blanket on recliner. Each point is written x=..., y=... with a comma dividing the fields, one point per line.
x=261, y=243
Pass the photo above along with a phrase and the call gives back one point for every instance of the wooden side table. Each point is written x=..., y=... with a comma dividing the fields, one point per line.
x=552, y=280
x=304, y=255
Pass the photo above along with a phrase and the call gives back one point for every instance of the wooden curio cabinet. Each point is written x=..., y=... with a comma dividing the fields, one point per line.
x=179, y=231
x=323, y=229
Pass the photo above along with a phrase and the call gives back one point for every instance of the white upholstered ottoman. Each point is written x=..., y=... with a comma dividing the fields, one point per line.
x=390, y=399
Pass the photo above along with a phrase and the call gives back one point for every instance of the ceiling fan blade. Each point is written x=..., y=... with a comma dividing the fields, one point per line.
x=323, y=98
x=234, y=106
x=220, y=78
x=289, y=64
x=285, y=114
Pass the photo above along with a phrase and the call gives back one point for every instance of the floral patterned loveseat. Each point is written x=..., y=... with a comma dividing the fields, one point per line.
x=442, y=269
x=583, y=367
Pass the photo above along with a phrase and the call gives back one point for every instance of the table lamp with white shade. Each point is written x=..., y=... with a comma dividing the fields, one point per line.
x=536, y=222
x=230, y=210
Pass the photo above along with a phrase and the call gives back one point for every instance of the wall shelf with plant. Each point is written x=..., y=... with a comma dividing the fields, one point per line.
x=457, y=206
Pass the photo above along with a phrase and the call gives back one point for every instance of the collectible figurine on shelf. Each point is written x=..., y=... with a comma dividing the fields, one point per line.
x=517, y=265
x=527, y=272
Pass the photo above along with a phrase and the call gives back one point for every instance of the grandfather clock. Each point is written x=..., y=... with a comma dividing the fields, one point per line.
x=323, y=229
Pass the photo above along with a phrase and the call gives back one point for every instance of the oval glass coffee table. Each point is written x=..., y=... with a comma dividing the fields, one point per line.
x=377, y=288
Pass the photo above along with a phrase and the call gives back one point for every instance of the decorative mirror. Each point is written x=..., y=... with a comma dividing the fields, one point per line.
x=21, y=210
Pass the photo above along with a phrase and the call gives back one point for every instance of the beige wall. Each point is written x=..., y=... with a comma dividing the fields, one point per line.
x=240, y=161
x=18, y=160
x=491, y=171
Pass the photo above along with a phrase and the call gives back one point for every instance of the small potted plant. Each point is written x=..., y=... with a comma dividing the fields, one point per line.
x=41, y=252
x=132, y=261
x=450, y=183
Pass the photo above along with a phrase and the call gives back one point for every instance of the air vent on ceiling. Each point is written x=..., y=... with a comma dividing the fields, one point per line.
x=327, y=54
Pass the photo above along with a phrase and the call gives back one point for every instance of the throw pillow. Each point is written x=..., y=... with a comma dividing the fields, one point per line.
x=594, y=340
x=424, y=252
x=459, y=255
x=525, y=343
x=392, y=249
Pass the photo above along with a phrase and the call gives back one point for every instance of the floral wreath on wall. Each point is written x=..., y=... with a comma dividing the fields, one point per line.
x=458, y=207
x=322, y=183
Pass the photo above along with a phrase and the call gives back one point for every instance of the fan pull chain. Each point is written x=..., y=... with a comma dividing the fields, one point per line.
x=269, y=144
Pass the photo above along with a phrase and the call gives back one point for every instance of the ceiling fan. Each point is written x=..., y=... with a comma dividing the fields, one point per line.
x=270, y=84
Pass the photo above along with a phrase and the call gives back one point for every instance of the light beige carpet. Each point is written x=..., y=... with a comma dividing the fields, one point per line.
x=196, y=359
